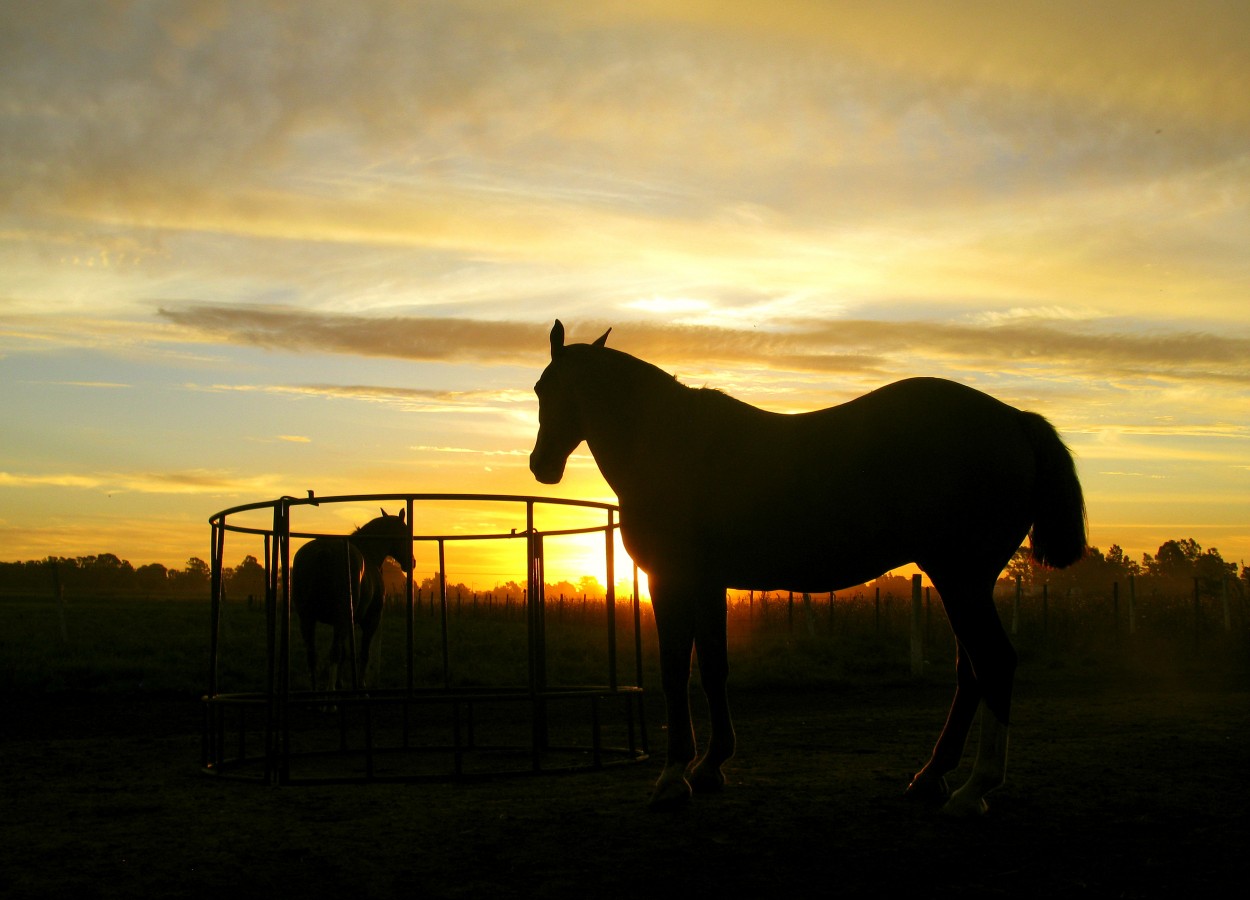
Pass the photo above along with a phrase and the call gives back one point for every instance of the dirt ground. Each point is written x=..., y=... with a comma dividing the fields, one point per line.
x=1115, y=790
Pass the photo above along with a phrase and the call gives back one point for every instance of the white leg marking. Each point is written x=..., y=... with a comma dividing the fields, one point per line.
x=672, y=789
x=988, y=772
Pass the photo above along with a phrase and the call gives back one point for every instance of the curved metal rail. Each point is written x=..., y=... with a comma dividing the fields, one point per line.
x=368, y=730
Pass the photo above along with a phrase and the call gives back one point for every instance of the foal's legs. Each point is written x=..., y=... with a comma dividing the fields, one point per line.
x=368, y=631
x=308, y=628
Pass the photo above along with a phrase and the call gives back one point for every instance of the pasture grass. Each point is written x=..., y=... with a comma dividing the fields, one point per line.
x=132, y=646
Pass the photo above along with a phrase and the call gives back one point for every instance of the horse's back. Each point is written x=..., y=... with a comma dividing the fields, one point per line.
x=320, y=571
x=836, y=496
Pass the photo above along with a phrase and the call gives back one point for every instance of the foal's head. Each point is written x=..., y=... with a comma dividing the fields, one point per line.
x=388, y=534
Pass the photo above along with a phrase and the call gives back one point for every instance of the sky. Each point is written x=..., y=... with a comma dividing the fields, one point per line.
x=258, y=248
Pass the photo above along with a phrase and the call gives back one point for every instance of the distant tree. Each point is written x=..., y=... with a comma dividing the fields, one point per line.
x=588, y=585
x=1178, y=562
x=1175, y=559
x=193, y=579
x=248, y=579
x=1118, y=562
x=106, y=572
x=152, y=578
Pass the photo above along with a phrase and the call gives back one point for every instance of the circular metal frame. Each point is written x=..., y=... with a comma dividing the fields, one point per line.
x=279, y=735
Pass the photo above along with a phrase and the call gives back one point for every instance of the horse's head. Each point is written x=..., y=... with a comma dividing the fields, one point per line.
x=388, y=535
x=560, y=427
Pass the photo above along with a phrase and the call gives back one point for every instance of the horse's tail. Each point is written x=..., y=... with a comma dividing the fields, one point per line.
x=1058, y=535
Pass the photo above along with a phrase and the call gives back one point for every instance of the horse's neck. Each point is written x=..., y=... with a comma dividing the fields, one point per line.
x=634, y=420
x=371, y=547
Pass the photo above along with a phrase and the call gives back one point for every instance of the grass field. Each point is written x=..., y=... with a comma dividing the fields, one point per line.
x=1125, y=776
x=128, y=645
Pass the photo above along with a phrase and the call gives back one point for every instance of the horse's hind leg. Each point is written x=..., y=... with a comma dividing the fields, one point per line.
x=710, y=643
x=993, y=661
x=929, y=784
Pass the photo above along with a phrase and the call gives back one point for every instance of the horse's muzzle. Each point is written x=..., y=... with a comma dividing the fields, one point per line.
x=547, y=471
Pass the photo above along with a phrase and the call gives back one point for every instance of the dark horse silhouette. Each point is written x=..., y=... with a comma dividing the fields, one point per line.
x=338, y=582
x=717, y=494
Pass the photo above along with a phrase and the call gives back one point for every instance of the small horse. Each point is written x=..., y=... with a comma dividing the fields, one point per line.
x=338, y=582
x=717, y=494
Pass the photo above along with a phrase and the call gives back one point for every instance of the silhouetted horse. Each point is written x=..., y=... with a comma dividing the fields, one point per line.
x=717, y=494
x=338, y=582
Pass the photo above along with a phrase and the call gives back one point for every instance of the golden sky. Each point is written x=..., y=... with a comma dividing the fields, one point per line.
x=251, y=249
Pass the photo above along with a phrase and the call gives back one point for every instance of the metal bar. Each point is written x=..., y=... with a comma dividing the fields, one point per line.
x=609, y=552
x=410, y=674
x=442, y=599
x=215, y=550
x=282, y=533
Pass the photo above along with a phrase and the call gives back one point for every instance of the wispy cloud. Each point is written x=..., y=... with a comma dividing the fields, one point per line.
x=1069, y=347
x=215, y=482
x=412, y=399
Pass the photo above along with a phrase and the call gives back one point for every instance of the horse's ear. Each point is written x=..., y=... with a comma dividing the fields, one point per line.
x=603, y=340
x=557, y=339
x=402, y=513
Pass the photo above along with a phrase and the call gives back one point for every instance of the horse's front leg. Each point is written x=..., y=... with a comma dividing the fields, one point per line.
x=711, y=643
x=675, y=627
x=368, y=633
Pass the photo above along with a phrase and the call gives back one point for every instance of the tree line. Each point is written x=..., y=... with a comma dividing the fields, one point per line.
x=1172, y=569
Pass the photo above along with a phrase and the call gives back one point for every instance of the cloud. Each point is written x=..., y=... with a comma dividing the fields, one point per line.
x=438, y=339
x=187, y=481
x=1048, y=343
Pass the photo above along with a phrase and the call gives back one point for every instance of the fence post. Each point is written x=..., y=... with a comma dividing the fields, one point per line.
x=1132, y=605
x=1015, y=609
x=1046, y=611
x=1115, y=610
x=59, y=589
x=1197, y=613
x=917, y=631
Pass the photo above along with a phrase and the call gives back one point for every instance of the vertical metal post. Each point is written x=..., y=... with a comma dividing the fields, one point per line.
x=637, y=629
x=282, y=534
x=411, y=615
x=609, y=551
x=272, y=583
x=442, y=600
x=216, y=585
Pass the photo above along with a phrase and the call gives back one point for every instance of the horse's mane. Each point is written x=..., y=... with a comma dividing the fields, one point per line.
x=374, y=527
x=620, y=363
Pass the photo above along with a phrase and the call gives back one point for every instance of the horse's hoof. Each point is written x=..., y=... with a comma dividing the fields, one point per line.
x=964, y=805
x=928, y=789
x=707, y=780
x=670, y=795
